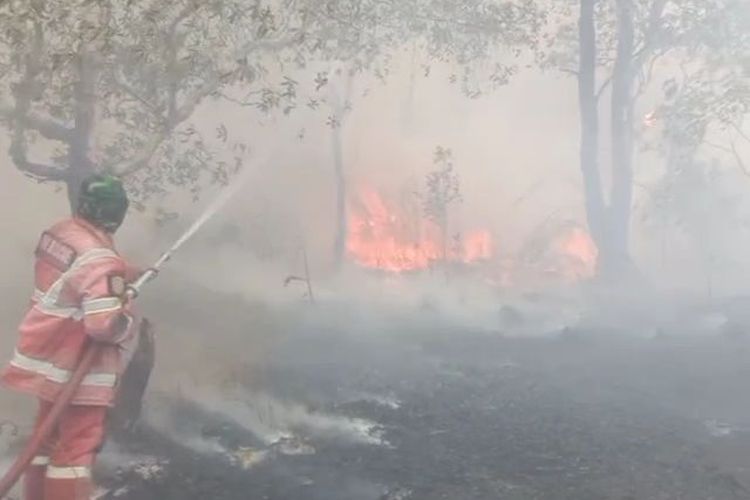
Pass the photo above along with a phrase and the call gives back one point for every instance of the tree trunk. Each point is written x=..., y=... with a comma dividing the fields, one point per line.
x=407, y=111
x=79, y=163
x=341, y=222
x=443, y=224
x=588, y=108
x=342, y=230
x=618, y=226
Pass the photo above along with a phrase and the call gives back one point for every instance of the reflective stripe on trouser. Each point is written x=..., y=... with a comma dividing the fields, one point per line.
x=72, y=472
x=73, y=446
x=67, y=489
x=33, y=477
x=40, y=460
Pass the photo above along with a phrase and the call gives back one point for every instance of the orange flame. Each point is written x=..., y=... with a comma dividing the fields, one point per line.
x=477, y=246
x=383, y=236
x=395, y=237
x=650, y=119
x=579, y=252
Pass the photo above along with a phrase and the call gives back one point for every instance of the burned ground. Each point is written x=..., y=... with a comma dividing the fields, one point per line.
x=579, y=414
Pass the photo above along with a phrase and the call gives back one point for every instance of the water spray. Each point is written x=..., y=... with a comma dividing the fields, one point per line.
x=135, y=287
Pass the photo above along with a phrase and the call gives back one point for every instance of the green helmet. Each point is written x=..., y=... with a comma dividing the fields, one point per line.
x=103, y=202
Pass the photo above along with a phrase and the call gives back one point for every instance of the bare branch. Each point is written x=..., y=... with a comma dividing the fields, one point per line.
x=732, y=150
x=740, y=132
x=245, y=101
x=647, y=74
x=148, y=152
x=120, y=81
x=182, y=113
x=190, y=8
x=22, y=119
x=647, y=48
x=718, y=147
x=603, y=87
x=175, y=114
x=654, y=26
x=37, y=171
x=171, y=46
x=48, y=127
x=739, y=160
x=186, y=109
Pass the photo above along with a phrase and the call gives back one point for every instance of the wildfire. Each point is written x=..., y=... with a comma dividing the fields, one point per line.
x=477, y=246
x=580, y=253
x=383, y=235
x=390, y=236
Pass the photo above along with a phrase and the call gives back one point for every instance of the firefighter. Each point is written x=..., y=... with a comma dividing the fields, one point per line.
x=80, y=297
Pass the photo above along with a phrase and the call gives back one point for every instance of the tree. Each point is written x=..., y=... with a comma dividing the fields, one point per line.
x=341, y=105
x=703, y=137
x=113, y=85
x=109, y=85
x=616, y=51
x=706, y=103
x=442, y=190
x=617, y=41
x=370, y=33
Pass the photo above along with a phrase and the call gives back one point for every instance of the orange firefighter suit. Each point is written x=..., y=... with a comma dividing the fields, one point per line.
x=79, y=297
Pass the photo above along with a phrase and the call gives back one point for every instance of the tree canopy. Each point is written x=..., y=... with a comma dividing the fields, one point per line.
x=113, y=85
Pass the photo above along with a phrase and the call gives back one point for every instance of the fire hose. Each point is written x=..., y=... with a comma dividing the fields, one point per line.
x=92, y=349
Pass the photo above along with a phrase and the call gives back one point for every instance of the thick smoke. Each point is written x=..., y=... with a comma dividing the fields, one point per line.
x=232, y=298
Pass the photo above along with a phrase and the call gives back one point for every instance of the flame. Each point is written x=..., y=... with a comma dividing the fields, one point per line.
x=650, y=120
x=477, y=246
x=384, y=236
x=579, y=253
x=395, y=237
x=381, y=238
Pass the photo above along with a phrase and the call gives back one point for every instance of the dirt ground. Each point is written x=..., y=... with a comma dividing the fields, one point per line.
x=342, y=403
x=438, y=412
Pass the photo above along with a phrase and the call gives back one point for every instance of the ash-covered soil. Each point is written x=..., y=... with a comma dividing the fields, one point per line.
x=460, y=415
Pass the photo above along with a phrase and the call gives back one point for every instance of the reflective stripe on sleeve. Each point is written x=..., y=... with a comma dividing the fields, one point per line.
x=54, y=472
x=46, y=301
x=60, y=375
x=59, y=312
x=94, y=306
x=40, y=460
x=102, y=305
